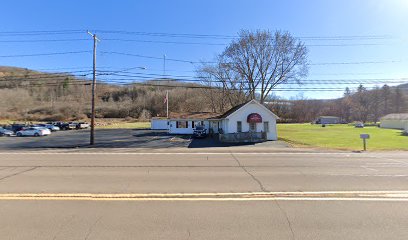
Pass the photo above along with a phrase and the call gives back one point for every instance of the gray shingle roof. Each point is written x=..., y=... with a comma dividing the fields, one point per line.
x=396, y=116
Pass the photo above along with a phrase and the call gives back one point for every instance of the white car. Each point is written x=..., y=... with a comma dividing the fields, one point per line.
x=34, y=131
x=5, y=132
x=51, y=127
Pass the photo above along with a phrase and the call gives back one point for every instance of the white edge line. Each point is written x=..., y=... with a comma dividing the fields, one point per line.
x=170, y=153
x=210, y=199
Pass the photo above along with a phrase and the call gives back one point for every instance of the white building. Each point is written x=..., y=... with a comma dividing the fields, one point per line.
x=394, y=121
x=328, y=120
x=250, y=121
x=159, y=124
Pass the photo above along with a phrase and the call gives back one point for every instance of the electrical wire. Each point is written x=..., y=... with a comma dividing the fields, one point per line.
x=43, y=54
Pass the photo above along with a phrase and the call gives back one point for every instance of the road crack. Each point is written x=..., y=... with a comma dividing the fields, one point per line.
x=287, y=219
x=263, y=189
x=261, y=186
x=18, y=173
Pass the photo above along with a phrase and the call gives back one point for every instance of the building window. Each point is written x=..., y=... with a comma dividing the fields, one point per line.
x=239, y=126
x=252, y=127
x=266, y=126
x=182, y=124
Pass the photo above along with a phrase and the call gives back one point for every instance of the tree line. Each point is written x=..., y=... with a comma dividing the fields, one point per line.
x=362, y=105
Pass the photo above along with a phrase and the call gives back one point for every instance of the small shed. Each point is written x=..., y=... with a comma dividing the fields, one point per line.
x=394, y=121
x=328, y=120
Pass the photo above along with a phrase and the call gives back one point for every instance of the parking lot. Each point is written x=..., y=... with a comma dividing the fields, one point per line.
x=111, y=138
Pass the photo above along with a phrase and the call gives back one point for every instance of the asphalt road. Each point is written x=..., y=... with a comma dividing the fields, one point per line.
x=204, y=195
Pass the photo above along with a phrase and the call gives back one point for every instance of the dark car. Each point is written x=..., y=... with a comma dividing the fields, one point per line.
x=200, y=132
x=61, y=125
x=17, y=127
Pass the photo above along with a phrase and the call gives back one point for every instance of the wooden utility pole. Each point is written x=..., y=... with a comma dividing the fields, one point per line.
x=92, y=137
x=167, y=102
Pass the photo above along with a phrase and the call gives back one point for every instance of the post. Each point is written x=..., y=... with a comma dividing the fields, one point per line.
x=167, y=102
x=365, y=137
x=164, y=65
x=92, y=136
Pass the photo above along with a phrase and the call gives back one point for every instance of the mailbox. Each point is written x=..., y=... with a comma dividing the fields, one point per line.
x=365, y=136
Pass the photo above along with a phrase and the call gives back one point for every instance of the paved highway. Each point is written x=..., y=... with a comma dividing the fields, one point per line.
x=286, y=195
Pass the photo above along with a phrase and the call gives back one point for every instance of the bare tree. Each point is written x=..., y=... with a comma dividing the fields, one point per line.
x=259, y=61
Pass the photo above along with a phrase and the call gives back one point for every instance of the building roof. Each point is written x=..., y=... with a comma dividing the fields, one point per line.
x=193, y=115
x=208, y=115
x=236, y=108
x=328, y=117
x=396, y=116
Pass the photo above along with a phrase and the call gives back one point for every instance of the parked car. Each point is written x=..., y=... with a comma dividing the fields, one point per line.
x=61, y=125
x=82, y=125
x=17, y=127
x=359, y=125
x=200, y=132
x=34, y=131
x=51, y=127
x=6, y=132
x=72, y=125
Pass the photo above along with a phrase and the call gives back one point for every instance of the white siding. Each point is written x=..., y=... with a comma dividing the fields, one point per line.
x=393, y=124
x=230, y=124
x=159, y=124
x=174, y=130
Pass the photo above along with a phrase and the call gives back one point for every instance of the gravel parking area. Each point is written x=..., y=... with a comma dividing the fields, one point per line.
x=112, y=138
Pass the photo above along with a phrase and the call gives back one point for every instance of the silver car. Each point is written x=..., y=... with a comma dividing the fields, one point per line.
x=34, y=132
x=51, y=127
x=5, y=132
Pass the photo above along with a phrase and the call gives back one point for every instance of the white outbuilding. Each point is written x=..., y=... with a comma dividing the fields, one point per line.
x=394, y=121
x=159, y=124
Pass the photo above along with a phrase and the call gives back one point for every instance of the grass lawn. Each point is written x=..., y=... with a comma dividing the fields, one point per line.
x=127, y=125
x=342, y=137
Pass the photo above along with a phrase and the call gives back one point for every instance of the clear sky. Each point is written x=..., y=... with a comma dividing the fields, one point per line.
x=377, y=49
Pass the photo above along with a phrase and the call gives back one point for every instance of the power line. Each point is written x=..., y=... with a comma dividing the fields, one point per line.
x=184, y=35
x=195, y=62
x=214, y=88
x=226, y=44
x=40, y=33
x=43, y=54
x=150, y=57
x=203, y=79
x=355, y=63
x=44, y=40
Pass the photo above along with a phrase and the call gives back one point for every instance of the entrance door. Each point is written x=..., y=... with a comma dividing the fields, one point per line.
x=252, y=127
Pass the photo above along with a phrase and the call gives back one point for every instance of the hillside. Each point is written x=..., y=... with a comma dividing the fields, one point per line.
x=33, y=95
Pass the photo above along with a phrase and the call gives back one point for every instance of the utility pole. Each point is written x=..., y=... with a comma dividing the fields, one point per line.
x=167, y=101
x=164, y=65
x=92, y=137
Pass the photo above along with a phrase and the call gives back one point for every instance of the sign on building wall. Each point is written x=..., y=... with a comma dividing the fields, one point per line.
x=254, y=118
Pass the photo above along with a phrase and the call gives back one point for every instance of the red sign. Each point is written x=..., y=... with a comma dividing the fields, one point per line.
x=254, y=118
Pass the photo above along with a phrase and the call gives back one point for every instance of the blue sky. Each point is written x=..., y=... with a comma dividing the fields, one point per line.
x=385, y=20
